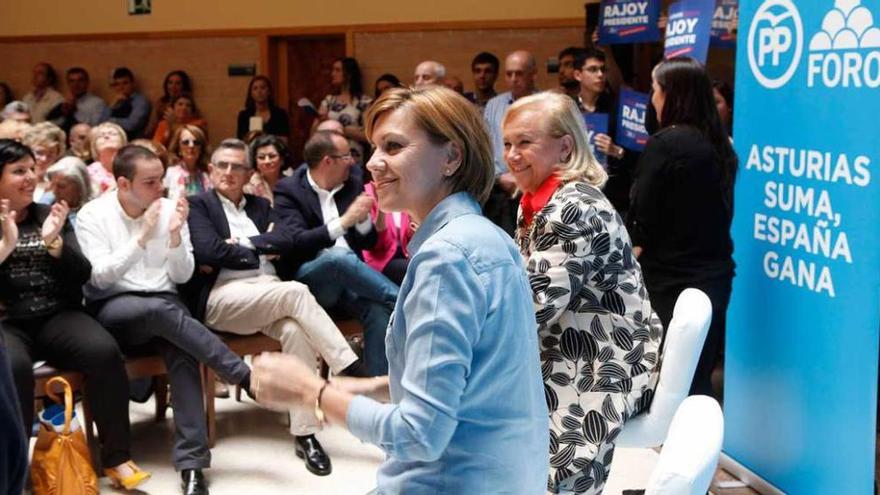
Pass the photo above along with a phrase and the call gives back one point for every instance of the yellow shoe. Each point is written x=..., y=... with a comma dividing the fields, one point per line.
x=130, y=482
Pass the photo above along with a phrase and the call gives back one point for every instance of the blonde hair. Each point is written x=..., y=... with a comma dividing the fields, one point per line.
x=447, y=117
x=45, y=134
x=559, y=116
x=93, y=136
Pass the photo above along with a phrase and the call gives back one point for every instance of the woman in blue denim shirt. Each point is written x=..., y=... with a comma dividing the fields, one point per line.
x=467, y=412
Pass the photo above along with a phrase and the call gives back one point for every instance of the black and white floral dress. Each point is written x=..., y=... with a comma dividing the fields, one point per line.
x=599, y=353
x=347, y=114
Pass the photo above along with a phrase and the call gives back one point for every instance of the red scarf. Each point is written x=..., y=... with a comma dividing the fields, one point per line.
x=532, y=203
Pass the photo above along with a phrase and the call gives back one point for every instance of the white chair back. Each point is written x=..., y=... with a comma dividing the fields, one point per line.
x=690, y=453
x=684, y=343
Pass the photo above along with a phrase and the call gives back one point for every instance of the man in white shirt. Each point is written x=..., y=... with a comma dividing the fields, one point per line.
x=235, y=236
x=139, y=248
x=328, y=215
x=43, y=98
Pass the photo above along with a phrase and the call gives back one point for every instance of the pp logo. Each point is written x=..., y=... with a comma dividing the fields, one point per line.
x=776, y=40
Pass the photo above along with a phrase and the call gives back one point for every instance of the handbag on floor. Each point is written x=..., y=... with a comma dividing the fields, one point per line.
x=61, y=464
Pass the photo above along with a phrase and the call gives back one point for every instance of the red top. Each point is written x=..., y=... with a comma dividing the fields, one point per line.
x=532, y=203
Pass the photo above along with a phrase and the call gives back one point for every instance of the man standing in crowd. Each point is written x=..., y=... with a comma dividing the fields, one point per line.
x=328, y=214
x=236, y=288
x=567, y=82
x=520, y=70
x=138, y=245
x=429, y=72
x=484, y=68
x=130, y=109
x=80, y=106
x=43, y=98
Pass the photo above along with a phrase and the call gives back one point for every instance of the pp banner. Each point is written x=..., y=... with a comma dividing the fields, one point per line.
x=631, y=132
x=597, y=123
x=800, y=388
x=724, y=23
x=688, y=29
x=629, y=21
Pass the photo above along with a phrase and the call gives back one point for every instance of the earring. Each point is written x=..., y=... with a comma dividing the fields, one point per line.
x=447, y=172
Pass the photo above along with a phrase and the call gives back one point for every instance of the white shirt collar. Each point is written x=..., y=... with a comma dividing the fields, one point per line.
x=318, y=189
x=227, y=202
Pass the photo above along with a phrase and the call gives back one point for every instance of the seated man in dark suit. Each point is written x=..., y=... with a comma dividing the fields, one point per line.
x=328, y=214
x=236, y=290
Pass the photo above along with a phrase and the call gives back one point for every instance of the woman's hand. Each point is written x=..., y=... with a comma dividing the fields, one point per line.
x=9, y=229
x=54, y=222
x=281, y=381
x=637, y=251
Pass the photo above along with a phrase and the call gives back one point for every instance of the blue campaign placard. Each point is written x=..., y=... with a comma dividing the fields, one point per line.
x=597, y=123
x=688, y=29
x=800, y=379
x=629, y=21
x=723, y=23
x=631, y=131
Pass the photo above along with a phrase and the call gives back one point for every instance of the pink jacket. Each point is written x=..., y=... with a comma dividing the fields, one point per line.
x=388, y=239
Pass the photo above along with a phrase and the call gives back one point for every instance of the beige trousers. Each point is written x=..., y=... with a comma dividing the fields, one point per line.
x=285, y=311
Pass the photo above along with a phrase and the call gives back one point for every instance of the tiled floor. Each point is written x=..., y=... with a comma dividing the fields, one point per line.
x=254, y=456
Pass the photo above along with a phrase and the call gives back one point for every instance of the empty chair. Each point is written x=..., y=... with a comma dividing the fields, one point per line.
x=691, y=450
x=684, y=342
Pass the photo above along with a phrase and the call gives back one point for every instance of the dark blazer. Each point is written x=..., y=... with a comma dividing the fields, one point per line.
x=209, y=229
x=298, y=204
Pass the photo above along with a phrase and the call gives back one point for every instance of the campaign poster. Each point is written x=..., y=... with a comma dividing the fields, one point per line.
x=631, y=131
x=688, y=29
x=724, y=24
x=629, y=21
x=597, y=123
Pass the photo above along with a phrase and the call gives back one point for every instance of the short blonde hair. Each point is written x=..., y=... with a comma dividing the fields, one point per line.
x=446, y=117
x=559, y=116
x=45, y=134
x=93, y=135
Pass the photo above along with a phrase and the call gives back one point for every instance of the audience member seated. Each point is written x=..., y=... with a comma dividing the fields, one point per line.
x=78, y=142
x=325, y=207
x=347, y=102
x=6, y=95
x=129, y=108
x=70, y=183
x=18, y=111
x=41, y=275
x=13, y=129
x=176, y=83
x=80, y=106
x=484, y=68
x=106, y=140
x=139, y=247
x=272, y=159
x=389, y=256
x=454, y=83
x=43, y=97
x=46, y=141
x=520, y=69
x=183, y=111
x=568, y=84
x=384, y=83
x=188, y=172
x=428, y=72
x=233, y=235
x=606, y=380
x=260, y=112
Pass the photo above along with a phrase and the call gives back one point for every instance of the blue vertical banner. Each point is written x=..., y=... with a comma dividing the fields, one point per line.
x=688, y=29
x=629, y=21
x=631, y=131
x=800, y=389
x=724, y=24
x=597, y=123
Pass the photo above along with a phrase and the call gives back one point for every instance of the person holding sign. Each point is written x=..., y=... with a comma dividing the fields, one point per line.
x=682, y=202
x=599, y=353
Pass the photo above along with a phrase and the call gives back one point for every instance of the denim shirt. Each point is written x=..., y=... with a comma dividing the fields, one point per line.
x=467, y=412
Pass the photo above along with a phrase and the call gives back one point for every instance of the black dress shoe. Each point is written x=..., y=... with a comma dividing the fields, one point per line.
x=193, y=482
x=309, y=449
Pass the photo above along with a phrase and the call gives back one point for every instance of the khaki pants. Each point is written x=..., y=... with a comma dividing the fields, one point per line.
x=285, y=311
